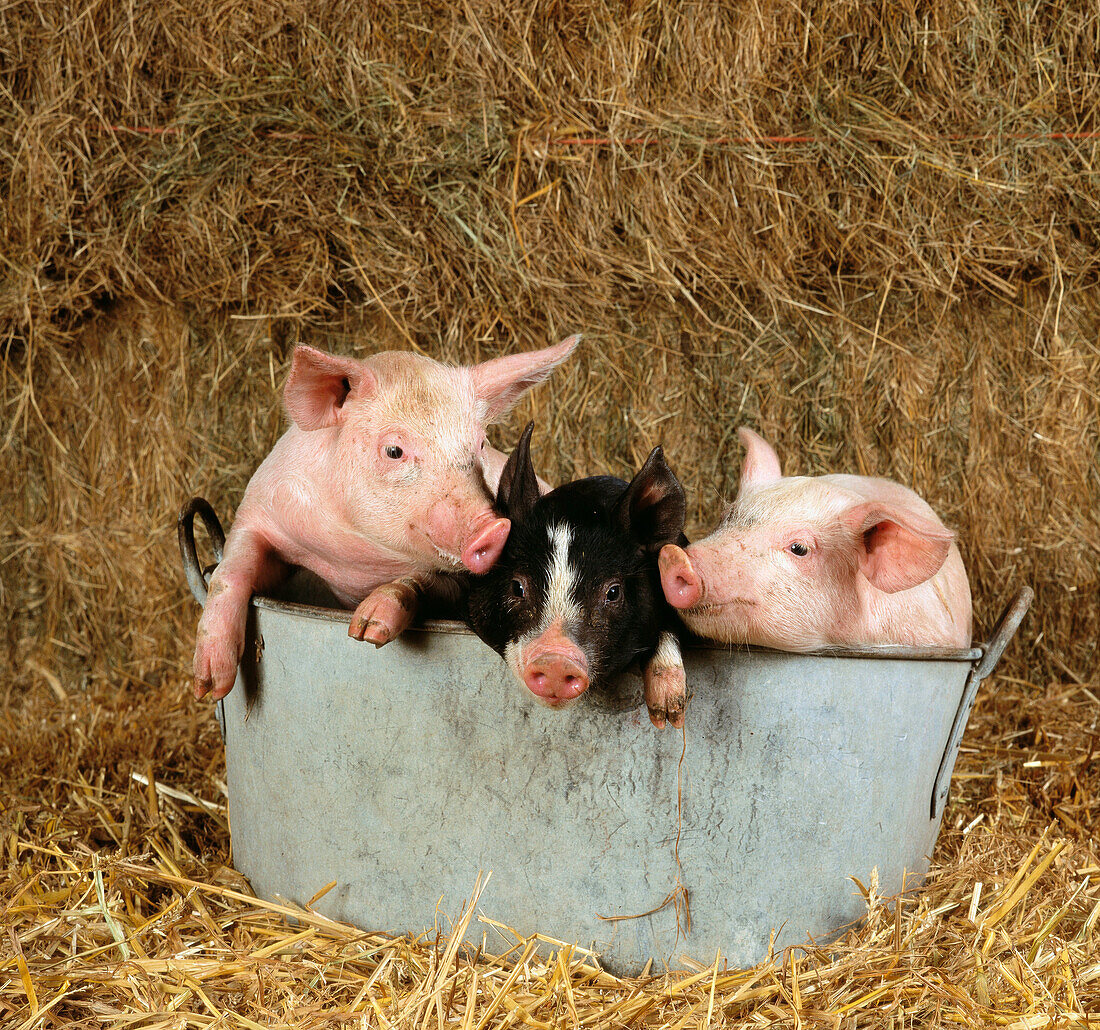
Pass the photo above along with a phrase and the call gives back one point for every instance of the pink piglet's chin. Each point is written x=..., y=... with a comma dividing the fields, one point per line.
x=729, y=622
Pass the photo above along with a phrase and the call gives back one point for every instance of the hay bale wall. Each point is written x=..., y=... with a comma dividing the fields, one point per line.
x=910, y=293
x=871, y=231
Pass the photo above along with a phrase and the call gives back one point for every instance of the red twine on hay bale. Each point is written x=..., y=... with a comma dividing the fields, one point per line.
x=636, y=141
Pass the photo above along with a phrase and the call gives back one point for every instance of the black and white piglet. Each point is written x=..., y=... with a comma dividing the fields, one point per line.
x=575, y=596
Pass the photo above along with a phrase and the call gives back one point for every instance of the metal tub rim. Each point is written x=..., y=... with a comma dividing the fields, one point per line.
x=453, y=626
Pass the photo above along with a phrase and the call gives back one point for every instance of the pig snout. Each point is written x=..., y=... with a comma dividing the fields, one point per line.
x=682, y=585
x=465, y=529
x=556, y=672
x=556, y=678
x=482, y=549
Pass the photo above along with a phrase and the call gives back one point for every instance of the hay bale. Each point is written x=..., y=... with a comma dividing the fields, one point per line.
x=907, y=291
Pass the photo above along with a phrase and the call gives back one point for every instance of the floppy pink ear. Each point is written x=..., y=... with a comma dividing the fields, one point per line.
x=761, y=465
x=502, y=381
x=320, y=383
x=896, y=549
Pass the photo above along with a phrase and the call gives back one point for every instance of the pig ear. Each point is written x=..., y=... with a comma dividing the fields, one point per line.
x=761, y=465
x=653, y=508
x=319, y=384
x=519, y=486
x=896, y=549
x=501, y=382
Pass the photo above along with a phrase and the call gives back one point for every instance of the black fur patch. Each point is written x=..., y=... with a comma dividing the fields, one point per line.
x=616, y=530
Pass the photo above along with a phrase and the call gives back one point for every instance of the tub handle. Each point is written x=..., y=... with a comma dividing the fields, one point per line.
x=1003, y=632
x=185, y=530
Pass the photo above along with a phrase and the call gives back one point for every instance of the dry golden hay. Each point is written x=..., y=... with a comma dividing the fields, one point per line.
x=119, y=907
x=904, y=285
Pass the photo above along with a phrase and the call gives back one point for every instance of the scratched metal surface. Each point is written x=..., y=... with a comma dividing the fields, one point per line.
x=401, y=773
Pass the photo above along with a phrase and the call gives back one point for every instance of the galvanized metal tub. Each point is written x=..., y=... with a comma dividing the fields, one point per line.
x=402, y=773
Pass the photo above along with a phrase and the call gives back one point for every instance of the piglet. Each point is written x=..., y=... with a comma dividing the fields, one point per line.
x=804, y=562
x=382, y=481
x=575, y=596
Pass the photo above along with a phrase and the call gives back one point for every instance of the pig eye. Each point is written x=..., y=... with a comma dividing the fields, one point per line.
x=519, y=588
x=393, y=451
x=799, y=549
x=614, y=592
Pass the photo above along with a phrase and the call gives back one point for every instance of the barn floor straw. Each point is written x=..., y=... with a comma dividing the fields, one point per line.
x=119, y=908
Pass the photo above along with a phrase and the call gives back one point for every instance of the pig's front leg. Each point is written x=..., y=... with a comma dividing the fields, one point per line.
x=248, y=565
x=387, y=610
x=665, y=683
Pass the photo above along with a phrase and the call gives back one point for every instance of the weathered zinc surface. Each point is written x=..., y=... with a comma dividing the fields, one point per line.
x=401, y=773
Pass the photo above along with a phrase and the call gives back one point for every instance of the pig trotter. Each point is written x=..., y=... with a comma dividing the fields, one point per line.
x=386, y=612
x=666, y=684
x=215, y=667
x=665, y=696
x=247, y=566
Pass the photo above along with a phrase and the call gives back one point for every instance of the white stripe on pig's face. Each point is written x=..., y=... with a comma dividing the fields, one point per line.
x=561, y=601
x=561, y=611
x=569, y=604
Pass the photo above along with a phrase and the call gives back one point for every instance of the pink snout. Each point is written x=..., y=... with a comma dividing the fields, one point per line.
x=681, y=584
x=481, y=551
x=557, y=676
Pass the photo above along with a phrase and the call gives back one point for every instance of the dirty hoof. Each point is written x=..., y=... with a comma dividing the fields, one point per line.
x=215, y=665
x=665, y=693
x=385, y=614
